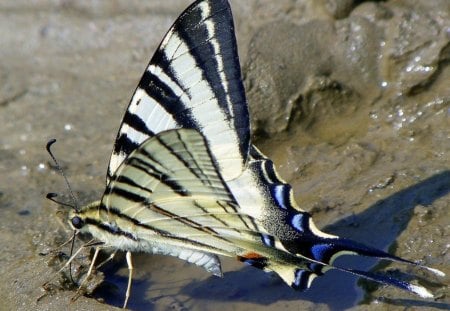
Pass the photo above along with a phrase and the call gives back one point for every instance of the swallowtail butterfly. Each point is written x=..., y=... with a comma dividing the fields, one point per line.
x=185, y=180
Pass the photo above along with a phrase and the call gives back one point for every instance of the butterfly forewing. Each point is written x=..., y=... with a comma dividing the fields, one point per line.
x=192, y=81
x=169, y=187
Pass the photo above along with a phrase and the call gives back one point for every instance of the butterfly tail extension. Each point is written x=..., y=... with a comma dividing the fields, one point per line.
x=301, y=279
x=323, y=250
x=299, y=270
x=322, y=247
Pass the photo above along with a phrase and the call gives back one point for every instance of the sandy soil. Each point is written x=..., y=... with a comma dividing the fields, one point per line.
x=351, y=101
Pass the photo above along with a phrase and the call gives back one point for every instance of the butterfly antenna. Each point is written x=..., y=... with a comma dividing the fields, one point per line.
x=51, y=196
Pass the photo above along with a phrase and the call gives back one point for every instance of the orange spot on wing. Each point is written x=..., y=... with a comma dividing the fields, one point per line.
x=252, y=255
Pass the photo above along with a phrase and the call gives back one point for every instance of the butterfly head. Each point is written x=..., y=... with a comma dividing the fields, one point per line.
x=79, y=219
x=77, y=222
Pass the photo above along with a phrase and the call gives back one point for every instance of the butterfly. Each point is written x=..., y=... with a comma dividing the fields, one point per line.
x=185, y=180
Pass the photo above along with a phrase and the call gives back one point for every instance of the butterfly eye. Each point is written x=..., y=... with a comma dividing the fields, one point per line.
x=77, y=222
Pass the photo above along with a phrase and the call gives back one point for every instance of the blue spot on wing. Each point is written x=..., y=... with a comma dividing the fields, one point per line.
x=280, y=195
x=297, y=222
x=319, y=251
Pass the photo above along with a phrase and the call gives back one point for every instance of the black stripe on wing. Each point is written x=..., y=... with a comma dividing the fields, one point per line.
x=194, y=32
x=194, y=167
x=167, y=98
x=153, y=172
x=126, y=144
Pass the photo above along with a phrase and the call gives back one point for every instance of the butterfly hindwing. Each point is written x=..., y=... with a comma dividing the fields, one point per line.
x=192, y=81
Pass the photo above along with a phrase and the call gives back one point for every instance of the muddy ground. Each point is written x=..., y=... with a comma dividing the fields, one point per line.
x=351, y=99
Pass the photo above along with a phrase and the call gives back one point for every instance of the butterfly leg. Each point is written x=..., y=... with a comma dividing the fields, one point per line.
x=104, y=262
x=130, y=276
x=91, y=267
x=97, y=250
